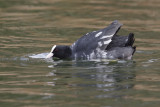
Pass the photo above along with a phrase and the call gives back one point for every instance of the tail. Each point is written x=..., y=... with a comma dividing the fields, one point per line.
x=130, y=40
x=134, y=50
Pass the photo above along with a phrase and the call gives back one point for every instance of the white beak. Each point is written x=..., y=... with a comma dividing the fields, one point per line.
x=49, y=55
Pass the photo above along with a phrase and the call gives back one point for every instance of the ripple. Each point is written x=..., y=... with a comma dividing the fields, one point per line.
x=41, y=55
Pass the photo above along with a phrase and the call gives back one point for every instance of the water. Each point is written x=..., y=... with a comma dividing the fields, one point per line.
x=28, y=30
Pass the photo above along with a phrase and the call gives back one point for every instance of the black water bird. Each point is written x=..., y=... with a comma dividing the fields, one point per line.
x=103, y=43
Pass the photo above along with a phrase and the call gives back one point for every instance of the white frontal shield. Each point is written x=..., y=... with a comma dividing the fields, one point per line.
x=51, y=53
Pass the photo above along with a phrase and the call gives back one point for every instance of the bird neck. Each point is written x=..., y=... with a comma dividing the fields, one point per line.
x=68, y=52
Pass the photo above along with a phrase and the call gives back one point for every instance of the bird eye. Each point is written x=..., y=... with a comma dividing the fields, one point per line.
x=56, y=50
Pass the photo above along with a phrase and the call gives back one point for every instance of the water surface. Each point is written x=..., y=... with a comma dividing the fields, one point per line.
x=28, y=30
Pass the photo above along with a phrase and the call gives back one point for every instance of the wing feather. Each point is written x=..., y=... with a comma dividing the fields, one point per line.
x=96, y=40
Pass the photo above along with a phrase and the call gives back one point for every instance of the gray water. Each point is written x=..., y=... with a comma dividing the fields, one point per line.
x=28, y=30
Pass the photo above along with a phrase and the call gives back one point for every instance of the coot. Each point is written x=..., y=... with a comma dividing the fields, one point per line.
x=104, y=43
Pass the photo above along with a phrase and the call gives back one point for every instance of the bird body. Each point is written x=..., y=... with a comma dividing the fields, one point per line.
x=103, y=43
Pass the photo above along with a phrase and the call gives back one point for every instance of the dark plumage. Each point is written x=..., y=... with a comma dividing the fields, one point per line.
x=103, y=43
